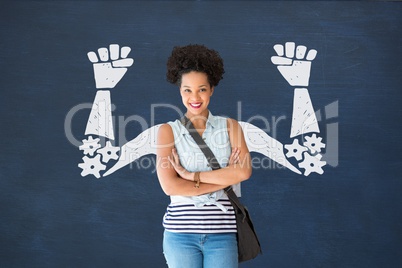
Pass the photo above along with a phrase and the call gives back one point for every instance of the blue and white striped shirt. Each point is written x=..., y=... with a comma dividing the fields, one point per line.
x=208, y=213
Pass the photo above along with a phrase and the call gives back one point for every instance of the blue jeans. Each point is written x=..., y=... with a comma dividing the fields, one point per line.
x=200, y=250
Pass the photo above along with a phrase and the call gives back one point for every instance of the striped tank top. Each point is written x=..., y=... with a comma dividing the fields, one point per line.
x=208, y=213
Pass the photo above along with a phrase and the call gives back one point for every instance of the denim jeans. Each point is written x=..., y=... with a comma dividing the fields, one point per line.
x=184, y=250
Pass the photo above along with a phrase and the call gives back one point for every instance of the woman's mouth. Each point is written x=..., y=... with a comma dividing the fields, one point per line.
x=195, y=105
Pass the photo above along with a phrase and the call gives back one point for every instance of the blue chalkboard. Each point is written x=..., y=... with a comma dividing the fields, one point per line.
x=51, y=216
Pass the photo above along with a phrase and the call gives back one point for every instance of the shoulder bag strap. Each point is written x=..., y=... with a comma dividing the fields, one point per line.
x=210, y=157
x=201, y=143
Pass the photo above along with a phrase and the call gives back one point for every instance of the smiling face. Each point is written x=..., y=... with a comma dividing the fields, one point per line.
x=196, y=92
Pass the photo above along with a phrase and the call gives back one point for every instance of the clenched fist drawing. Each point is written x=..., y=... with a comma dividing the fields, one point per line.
x=293, y=63
x=112, y=66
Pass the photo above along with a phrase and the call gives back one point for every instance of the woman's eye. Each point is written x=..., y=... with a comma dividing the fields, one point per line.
x=203, y=89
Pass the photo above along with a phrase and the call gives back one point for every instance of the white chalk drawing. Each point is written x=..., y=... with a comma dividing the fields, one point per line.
x=92, y=166
x=109, y=152
x=303, y=119
x=143, y=144
x=295, y=150
x=100, y=119
x=260, y=142
x=112, y=66
x=295, y=66
x=293, y=62
x=90, y=145
x=109, y=66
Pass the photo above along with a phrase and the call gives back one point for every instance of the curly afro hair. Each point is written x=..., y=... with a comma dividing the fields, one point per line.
x=194, y=58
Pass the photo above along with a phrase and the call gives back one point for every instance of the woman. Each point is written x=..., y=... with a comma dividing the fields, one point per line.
x=200, y=226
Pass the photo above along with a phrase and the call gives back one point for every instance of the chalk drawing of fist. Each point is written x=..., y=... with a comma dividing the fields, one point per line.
x=293, y=63
x=110, y=65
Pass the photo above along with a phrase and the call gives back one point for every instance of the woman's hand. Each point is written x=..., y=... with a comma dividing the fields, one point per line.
x=175, y=161
x=170, y=180
x=185, y=174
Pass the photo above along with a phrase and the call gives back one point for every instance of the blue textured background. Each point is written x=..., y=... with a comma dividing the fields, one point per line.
x=52, y=217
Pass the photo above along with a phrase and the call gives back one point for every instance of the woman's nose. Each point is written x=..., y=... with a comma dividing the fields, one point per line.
x=195, y=96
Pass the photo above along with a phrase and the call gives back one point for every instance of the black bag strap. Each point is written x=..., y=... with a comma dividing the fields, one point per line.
x=212, y=161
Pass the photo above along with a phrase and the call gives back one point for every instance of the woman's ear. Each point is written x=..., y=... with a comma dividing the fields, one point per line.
x=212, y=90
